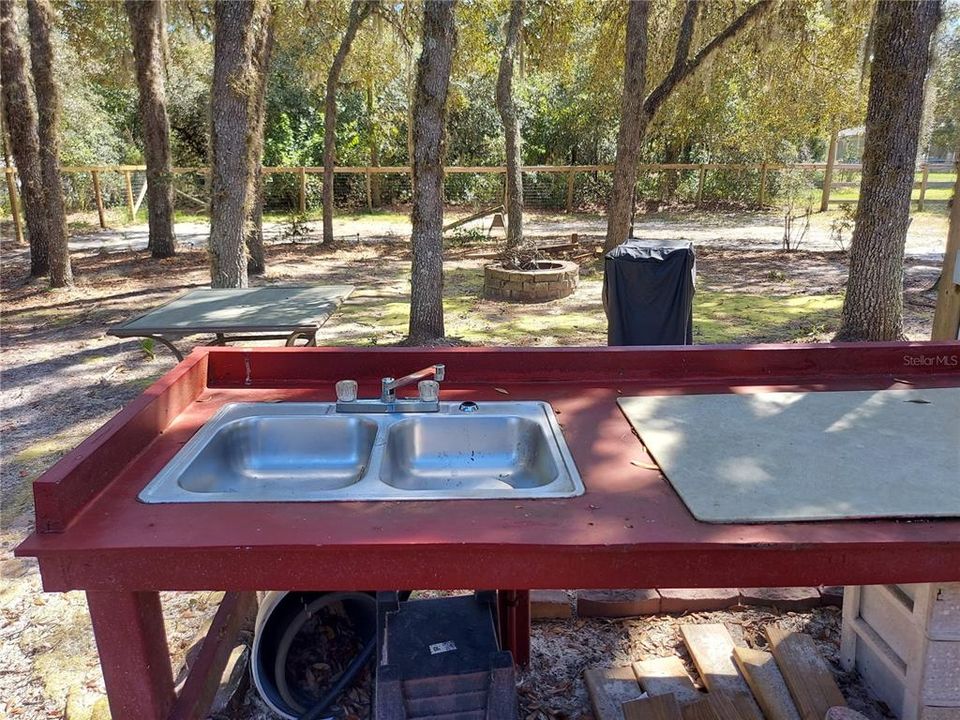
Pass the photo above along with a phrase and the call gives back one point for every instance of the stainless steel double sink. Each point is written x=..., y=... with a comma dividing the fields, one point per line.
x=288, y=452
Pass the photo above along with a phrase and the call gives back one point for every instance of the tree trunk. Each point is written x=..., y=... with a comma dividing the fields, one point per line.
x=429, y=117
x=873, y=306
x=511, y=126
x=147, y=33
x=256, y=261
x=636, y=112
x=359, y=9
x=633, y=126
x=21, y=119
x=40, y=18
x=237, y=34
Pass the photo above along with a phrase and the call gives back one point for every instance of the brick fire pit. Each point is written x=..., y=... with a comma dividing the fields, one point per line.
x=547, y=280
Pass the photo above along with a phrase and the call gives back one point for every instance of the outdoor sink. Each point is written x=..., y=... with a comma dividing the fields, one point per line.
x=289, y=452
x=468, y=452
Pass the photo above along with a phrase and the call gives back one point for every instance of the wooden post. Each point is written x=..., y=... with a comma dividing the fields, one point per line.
x=14, y=204
x=95, y=174
x=369, y=191
x=703, y=175
x=923, y=186
x=134, y=657
x=130, y=210
x=762, y=197
x=303, y=190
x=828, y=173
x=946, y=318
x=570, y=177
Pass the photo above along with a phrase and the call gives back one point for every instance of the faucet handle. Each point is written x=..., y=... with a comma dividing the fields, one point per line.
x=429, y=390
x=346, y=390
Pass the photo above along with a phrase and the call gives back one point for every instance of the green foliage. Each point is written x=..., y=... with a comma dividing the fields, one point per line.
x=774, y=94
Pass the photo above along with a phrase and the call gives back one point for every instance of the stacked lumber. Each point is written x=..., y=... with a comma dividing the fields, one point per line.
x=790, y=682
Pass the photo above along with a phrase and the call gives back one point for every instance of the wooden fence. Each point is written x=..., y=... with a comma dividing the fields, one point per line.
x=570, y=171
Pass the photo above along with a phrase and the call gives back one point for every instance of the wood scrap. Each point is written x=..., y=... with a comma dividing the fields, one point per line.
x=711, y=648
x=768, y=686
x=734, y=705
x=660, y=676
x=699, y=710
x=609, y=689
x=805, y=671
x=475, y=216
x=659, y=707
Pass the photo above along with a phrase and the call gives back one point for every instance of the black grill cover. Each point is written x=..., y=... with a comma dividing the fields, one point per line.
x=648, y=292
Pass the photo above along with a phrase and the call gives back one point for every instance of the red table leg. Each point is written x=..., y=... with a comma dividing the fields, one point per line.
x=514, y=610
x=134, y=655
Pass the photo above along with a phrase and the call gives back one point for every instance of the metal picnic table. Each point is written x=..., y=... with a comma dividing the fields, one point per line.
x=284, y=312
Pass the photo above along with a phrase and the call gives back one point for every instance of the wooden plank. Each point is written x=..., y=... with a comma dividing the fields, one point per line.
x=659, y=707
x=237, y=611
x=570, y=178
x=733, y=705
x=701, y=178
x=699, y=710
x=806, y=673
x=712, y=650
x=768, y=686
x=660, y=676
x=475, y=216
x=609, y=689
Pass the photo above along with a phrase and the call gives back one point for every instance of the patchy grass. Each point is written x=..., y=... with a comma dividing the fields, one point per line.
x=727, y=317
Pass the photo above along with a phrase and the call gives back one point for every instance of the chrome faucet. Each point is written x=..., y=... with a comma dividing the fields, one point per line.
x=428, y=400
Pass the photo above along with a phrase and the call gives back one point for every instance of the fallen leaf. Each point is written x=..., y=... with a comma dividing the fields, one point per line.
x=646, y=465
x=918, y=401
x=501, y=391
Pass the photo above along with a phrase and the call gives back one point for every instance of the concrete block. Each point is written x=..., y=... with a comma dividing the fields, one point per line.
x=678, y=600
x=790, y=599
x=831, y=595
x=617, y=603
x=550, y=605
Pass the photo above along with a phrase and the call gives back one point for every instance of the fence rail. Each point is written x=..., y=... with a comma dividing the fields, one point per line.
x=570, y=171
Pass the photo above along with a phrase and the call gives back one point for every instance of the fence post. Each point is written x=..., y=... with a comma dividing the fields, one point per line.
x=369, y=191
x=126, y=177
x=14, y=204
x=923, y=187
x=95, y=174
x=946, y=317
x=703, y=174
x=762, y=198
x=303, y=190
x=570, y=176
x=828, y=173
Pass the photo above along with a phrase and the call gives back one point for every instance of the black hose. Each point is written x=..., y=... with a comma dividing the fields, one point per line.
x=348, y=675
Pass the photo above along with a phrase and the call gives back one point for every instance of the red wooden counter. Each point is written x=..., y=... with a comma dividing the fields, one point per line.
x=629, y=529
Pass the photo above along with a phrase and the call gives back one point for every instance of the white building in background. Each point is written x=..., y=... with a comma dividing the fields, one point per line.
x=850, y=149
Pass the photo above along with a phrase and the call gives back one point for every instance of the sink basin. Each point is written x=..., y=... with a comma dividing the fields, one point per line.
x=303, y=452
x=468, y=452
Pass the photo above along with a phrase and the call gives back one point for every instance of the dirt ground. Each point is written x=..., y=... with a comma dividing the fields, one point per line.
x=62, y=377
